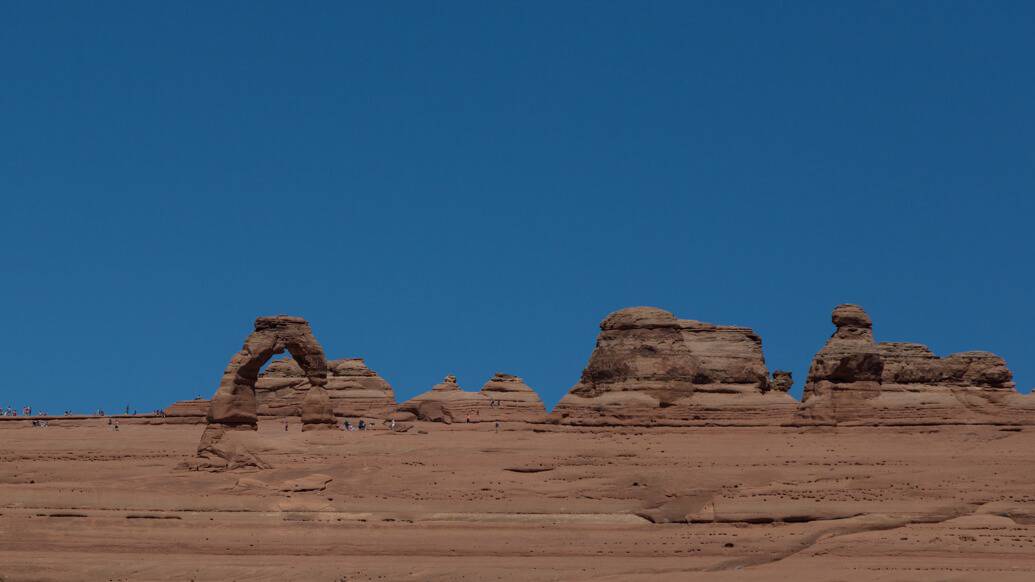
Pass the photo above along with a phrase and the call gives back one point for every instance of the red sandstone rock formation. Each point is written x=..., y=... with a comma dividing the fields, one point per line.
x=353, y=388
x=504, y=397
x=781, y=381
x=854, y=380
x=221, y=449
x=445, y=402
x=511, y=399
x=196, y=408
x=649, y=367
x=234, y=404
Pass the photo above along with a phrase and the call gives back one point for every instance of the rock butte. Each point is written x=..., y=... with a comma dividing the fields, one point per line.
x=650, y=368
x=854, y=380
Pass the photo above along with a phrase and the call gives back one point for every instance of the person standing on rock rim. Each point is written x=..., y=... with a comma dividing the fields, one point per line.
x=115, y=426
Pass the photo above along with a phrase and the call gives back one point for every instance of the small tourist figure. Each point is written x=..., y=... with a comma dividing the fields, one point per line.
x=362, y=424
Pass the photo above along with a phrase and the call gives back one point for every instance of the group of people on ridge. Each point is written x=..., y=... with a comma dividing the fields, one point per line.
x=26, y=411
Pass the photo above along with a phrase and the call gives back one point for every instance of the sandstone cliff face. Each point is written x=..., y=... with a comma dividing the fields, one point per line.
x=855, y=380
x=649, y=367
x=504, y=397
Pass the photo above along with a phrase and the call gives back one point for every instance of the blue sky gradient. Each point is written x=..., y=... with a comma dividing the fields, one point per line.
x=452, y=187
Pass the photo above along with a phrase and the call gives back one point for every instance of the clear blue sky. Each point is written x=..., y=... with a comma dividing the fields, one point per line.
x=470, y=187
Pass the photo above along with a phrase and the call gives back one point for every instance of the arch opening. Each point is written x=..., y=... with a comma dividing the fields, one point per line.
x=234, y=404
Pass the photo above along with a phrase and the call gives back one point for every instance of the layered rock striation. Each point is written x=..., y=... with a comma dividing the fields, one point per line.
x=353, y=389
x=651, y=368
x=510, y=399
x=855, y=380
x=648, y=368
x=504, y=398
x=235, y=405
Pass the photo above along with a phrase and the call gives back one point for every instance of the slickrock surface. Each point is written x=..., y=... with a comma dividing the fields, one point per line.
x=461, y=502
x=854, y=379
x=194, y=409
x=650, y=368
x=504, y=397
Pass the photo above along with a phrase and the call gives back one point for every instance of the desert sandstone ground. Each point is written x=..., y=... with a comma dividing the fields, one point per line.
x=531, y=502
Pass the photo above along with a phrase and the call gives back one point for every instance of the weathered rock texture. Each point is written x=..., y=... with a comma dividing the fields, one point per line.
x=781, y=381
x=196, y=408
x=353, y=388
x=510, y=399
x=504, y=397
x=855, y=380
x=649, y=367
x=235, y=405
x=445, y=402
x=221, y=450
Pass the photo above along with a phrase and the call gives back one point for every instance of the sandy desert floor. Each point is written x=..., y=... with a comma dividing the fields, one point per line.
x=81, y=502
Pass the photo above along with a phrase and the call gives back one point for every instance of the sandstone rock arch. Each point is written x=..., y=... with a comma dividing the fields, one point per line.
x=234, y=404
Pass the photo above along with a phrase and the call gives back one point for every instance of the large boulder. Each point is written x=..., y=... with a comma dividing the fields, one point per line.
x=649, y=367
x=221, y=450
